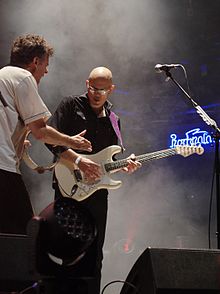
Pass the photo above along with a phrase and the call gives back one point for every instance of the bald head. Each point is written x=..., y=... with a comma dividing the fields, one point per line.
x=100, y=73
x=99, y=85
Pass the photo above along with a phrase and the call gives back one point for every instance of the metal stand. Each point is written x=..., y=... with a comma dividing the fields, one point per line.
x=209, y=121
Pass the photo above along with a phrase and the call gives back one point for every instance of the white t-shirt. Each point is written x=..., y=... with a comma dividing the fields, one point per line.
x=20, y=104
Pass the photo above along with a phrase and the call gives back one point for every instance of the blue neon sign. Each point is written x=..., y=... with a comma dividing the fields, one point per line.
x=194, y=137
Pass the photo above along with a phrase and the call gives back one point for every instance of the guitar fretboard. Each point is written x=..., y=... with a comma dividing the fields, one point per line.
x=141, y=158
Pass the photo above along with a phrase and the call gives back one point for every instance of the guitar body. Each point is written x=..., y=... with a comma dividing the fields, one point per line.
x=71, y=186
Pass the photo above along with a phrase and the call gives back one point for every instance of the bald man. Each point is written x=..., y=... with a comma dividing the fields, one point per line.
x=91, y=112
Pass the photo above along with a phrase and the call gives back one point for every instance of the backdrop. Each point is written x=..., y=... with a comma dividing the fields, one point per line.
x=166, y=203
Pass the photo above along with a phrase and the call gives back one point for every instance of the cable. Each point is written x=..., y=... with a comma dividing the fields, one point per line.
x=210, y=206
x=29, y=288
x=119, y=281
x=186, y=78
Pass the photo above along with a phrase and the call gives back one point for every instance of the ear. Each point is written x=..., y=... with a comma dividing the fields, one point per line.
x=32, y=66
x=35, y=60
x=87, y=83
x=112, y=88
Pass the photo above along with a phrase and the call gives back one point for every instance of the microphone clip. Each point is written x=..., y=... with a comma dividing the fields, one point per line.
x=165, y=67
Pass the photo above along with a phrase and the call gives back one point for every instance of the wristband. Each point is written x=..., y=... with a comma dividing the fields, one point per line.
x=78, y=159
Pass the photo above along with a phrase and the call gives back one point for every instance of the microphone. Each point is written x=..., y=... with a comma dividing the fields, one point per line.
x=165, y=67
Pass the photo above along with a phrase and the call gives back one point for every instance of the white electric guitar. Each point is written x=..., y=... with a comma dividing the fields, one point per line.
x=72, y=183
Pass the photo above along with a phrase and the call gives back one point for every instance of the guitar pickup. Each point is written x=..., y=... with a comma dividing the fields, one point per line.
x=78, y=175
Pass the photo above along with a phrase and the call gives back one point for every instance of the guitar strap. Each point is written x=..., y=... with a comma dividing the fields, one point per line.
x=114, y=122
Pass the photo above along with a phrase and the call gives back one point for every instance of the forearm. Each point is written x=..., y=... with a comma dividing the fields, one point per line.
x=51, y=136
x=91, y=170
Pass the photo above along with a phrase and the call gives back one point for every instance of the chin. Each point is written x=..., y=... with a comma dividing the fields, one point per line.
x=96, y=106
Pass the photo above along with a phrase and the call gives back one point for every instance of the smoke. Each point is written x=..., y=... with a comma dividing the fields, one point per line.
x=165, y=203
x=160, y=206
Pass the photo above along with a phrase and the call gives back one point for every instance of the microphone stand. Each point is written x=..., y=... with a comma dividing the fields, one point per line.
x=209, y=121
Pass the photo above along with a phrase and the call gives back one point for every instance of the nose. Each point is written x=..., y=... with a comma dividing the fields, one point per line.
x=98, y=94
x=46, y=70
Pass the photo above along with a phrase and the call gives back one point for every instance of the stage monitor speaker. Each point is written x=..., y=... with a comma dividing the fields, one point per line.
x=15, y=261
x=179, y=271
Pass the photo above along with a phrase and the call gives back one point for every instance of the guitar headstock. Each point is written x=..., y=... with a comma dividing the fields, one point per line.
x=189, y=150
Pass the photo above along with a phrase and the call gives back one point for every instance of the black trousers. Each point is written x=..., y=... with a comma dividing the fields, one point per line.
x=15, y=205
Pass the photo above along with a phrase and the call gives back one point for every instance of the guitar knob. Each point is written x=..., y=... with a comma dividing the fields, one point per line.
x=77, y=175
x=74, y=189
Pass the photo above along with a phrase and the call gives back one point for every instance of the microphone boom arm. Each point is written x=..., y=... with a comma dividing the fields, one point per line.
x=206, y=118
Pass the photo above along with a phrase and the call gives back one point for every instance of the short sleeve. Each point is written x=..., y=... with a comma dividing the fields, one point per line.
x=28, y=101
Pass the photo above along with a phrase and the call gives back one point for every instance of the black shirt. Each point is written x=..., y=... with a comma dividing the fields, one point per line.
x=74, y=114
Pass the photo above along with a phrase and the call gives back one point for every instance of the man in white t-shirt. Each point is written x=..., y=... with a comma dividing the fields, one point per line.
x=23, y=110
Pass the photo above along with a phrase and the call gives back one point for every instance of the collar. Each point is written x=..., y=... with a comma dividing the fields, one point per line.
x=107, y=105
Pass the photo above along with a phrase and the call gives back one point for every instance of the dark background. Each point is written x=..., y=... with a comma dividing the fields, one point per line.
x=165, y=203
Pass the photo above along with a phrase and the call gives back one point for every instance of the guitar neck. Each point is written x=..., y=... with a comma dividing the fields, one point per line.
x=141, y=158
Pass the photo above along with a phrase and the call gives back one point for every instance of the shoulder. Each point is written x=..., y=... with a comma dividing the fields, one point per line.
x=75, y=101
x=16, y=75
x=71, y=103
x=72, y=100
x=15, y=70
